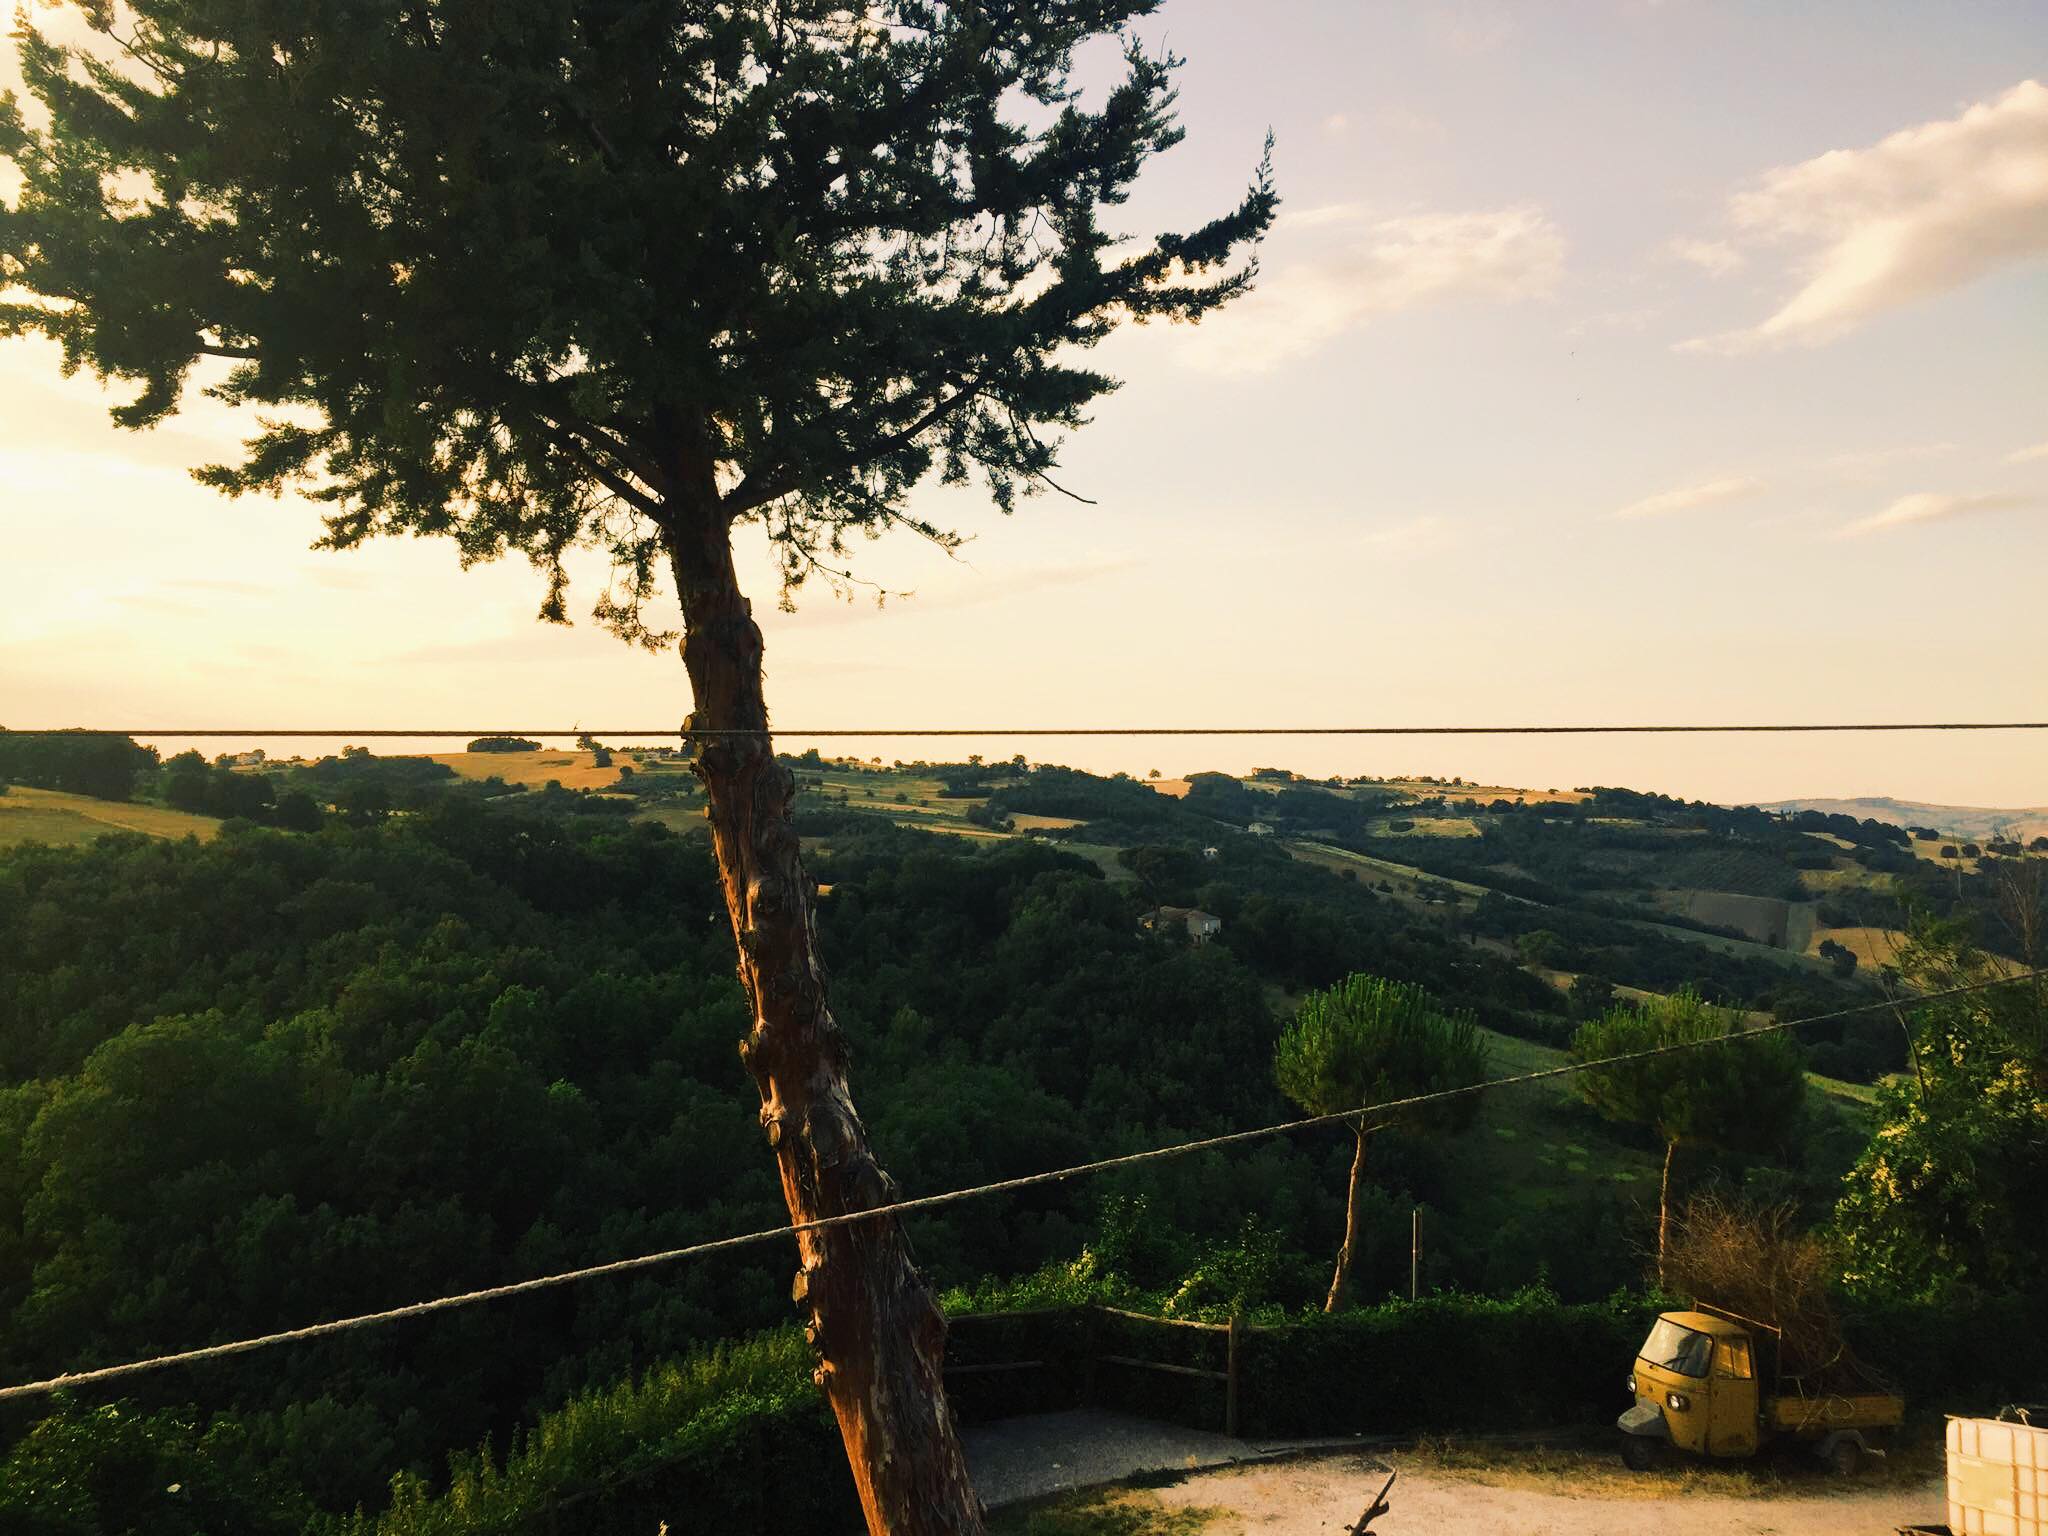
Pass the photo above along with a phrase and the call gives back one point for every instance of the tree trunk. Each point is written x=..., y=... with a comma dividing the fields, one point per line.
x=1664, y=1210
x=877, y=1331
x=1340, y=1282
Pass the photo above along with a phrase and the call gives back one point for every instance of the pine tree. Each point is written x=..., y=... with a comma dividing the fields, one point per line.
x=533, y=275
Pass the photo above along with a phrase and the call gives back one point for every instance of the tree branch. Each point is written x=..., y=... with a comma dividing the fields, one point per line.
x=746, y=496
x=644, y=500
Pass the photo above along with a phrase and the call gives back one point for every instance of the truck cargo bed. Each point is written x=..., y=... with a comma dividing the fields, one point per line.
x=1793, y=1415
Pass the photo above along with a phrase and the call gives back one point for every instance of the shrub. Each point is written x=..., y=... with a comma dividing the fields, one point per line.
x=734, y=1440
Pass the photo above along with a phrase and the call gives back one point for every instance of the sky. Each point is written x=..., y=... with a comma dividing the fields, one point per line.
x=1611, y=362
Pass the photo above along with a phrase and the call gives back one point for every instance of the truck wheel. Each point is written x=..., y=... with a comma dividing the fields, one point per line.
x=1845, y=1458
x=1638, y=1452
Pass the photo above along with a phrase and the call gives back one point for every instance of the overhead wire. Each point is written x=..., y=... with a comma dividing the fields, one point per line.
x=382, y=733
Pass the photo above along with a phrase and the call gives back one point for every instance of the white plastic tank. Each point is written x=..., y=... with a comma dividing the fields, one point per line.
x=1997, y=1478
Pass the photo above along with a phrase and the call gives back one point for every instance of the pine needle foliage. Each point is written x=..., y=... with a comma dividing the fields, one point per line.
x=1744, y=1095
x=1368, y=1039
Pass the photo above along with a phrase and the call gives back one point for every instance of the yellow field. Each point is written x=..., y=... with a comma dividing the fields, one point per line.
x=575, y=770
x=1415, y=789
x=1026, y=822
x=1485, y=794
x=1931, y=852
x=1871, y=946
x=49, y=816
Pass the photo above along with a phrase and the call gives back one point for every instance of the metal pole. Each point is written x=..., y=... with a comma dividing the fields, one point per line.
x=1414, y=1253
x=1233, y=1371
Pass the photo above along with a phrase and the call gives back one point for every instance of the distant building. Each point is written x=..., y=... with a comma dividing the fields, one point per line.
x=1259, y=829
x=1209, y=853
x=1201, y=926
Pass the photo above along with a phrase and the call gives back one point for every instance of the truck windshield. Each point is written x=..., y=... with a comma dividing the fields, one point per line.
x=1676, y=1348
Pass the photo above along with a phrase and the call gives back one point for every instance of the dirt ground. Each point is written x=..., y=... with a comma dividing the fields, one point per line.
x=1548, y=1494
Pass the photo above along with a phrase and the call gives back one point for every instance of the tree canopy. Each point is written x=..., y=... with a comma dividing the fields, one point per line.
x=530, y=275
x=1747, y=1094
x=1368, y=1039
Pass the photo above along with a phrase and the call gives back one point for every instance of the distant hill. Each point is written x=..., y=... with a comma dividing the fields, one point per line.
x=1972, y=821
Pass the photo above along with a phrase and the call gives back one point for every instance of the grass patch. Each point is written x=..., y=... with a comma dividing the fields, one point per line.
x=1341, y=859
x=1427, y=826
x=1859, y=1098
x=68, y=821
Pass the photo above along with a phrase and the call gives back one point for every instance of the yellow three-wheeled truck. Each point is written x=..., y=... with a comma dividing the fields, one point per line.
x=1699, y=1385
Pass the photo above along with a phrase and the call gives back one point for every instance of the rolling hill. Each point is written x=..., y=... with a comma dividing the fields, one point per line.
x=1972, y=821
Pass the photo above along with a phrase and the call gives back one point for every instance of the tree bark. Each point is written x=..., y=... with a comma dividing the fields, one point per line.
x=1340, y=1282
x=1664, y=1210
x=876, y=1329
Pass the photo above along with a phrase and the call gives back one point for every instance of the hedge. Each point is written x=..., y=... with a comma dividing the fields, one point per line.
x=739, y=1440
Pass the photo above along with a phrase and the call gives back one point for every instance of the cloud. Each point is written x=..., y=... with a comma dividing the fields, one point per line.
x=1868, y=465
x=1734, y=488
x=1468, y=26
x=1625, y=320
x=960, y=585
x=1418, y=536
x=1713, y=257
x=1923, y=212
x=1322, y=214
x=1384, y=266
x=230, y=588
x=2027, y=455
x=1927, y=507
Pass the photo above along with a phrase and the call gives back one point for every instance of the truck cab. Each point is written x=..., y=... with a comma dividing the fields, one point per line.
x=1695, y=1389
x=1714, y=1383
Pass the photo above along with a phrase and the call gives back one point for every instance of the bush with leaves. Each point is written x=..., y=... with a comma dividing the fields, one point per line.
x=1948, y=1191
x=110, y=1469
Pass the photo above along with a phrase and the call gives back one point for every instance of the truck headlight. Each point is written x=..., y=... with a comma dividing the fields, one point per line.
x=1631, y=1384
x=1677, y=1401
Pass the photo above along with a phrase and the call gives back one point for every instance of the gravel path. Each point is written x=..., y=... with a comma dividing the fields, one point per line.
x=1322, y=1497
x=1038, y=1454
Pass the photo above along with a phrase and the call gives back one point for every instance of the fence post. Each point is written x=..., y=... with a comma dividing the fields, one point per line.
x=1233, y=1368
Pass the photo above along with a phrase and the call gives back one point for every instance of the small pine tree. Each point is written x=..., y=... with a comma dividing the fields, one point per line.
x=1744, y=1095
x=1363, y=1042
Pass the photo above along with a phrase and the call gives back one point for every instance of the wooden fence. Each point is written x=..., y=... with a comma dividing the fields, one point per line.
x=1070, y=1357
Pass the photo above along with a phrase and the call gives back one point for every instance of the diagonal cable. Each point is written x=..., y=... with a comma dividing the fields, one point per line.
x=954, y=1197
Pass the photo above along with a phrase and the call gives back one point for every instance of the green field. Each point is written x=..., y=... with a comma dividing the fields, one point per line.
x=1343, y=858
x=65, y=821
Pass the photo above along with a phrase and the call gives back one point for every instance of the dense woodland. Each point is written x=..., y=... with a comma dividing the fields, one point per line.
x=392, y=1035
